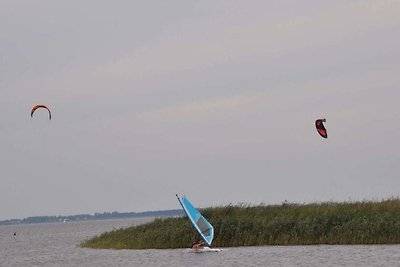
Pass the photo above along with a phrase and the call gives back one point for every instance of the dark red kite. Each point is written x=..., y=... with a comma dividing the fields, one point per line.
x=320, y=128
x=40, y=106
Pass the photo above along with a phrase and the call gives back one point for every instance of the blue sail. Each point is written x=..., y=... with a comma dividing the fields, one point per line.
x=202, y=226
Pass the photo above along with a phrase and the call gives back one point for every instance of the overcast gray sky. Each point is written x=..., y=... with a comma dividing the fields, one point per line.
x=212, y=99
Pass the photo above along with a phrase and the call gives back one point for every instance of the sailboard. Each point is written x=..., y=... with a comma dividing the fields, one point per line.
x=202, y=226
x=204, y=249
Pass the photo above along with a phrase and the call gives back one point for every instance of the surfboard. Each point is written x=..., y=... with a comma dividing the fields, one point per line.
x=204, y=250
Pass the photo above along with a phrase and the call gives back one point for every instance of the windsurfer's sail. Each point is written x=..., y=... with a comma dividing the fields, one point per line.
x=202, y=226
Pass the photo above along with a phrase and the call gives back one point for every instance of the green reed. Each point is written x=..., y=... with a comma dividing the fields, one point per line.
x=286, y=224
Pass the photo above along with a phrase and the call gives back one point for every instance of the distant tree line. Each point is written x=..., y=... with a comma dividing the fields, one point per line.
x=96, y=216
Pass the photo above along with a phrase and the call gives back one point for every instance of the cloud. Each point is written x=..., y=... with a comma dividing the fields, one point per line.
x=206, y=109
x=210, y=40
x=288, y=95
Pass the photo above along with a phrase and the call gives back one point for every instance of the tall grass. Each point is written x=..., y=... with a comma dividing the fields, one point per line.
x=285, y=224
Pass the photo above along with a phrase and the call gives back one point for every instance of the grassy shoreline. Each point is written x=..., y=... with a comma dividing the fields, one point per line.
x=286, y=224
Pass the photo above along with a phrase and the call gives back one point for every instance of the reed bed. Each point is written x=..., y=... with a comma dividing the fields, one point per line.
x=364, y=222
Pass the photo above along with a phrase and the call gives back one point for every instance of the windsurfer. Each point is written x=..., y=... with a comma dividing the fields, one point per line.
x=198, y=244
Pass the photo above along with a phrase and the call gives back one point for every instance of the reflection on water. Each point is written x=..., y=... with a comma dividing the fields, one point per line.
x=56, y=244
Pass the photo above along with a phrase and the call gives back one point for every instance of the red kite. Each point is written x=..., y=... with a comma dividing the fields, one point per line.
x=40, y=106
x=320, y=128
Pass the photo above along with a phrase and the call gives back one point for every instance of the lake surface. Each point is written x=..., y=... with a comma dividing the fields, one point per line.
x=56, y=244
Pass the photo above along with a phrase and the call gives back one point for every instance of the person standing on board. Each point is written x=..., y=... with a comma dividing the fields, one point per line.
x=198, y=244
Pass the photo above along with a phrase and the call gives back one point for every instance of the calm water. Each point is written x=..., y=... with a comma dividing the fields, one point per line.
x=57, y=245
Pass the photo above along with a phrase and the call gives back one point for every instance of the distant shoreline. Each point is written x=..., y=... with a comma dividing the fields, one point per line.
x=286, y=224
x=96, y=216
